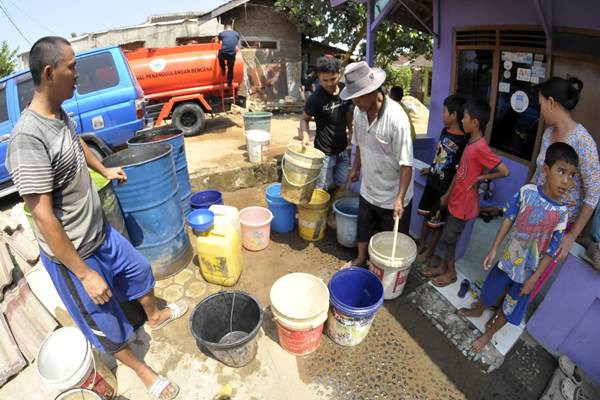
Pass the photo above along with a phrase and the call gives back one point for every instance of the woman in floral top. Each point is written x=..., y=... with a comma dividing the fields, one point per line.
x=558, y=96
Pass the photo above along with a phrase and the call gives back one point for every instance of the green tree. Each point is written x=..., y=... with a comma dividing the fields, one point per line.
x=8, y=61
x=346, y=24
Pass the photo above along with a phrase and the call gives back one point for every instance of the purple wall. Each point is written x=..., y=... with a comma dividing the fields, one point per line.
x=568, y=320
x=487, y=12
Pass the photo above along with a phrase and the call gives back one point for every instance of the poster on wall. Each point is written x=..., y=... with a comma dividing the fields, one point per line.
x=519, y=101
x=523, y=74
x=516, y=114
x=517, y=57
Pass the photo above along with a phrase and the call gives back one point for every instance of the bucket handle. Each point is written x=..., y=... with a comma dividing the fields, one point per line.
x=293, y=184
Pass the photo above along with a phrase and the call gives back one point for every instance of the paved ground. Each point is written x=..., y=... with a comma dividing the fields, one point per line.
x=404, y=356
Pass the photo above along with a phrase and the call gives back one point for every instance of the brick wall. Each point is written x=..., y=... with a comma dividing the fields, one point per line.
x=258, y=20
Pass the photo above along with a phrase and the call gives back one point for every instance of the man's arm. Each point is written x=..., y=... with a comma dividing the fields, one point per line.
x=350, y=124
x=60, y=244
x=405, y=179
x=304, y=129
x=96, y=165
x=355, y=171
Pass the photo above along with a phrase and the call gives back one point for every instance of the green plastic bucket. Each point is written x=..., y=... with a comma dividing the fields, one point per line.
x=257, y=120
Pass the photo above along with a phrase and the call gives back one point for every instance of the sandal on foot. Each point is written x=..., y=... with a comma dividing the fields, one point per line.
x=566, y=365
x=177, y=310
x=438, y=283
x=570, y=390
x=160, y=385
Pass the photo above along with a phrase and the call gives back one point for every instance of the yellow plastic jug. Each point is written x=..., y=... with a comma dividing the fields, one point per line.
x=220, y=253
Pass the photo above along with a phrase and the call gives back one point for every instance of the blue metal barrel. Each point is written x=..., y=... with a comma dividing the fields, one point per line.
x=174, y=137
x=151, y=207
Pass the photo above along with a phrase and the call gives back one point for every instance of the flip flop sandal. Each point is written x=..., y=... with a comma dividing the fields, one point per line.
x=436, y=282
x=570, y=390
x=464, y=287
x=566, y=365
x=160, y=385
x=177, y=310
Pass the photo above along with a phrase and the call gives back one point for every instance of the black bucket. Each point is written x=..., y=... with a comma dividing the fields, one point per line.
x=226, y=323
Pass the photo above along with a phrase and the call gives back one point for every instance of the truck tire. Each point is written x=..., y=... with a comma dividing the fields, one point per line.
x=190, y=118
x=96, y=151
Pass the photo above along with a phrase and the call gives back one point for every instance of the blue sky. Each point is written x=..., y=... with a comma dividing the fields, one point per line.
x=61, y=17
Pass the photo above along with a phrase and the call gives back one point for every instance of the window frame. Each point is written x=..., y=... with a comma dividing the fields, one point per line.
x=3, y=90
x=498, y=49
x=80, y=61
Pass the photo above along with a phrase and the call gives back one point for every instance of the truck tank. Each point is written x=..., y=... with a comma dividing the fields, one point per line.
x=177, y=70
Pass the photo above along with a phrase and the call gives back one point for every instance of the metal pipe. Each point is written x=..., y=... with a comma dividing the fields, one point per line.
x=416, y=16
x=547, y=27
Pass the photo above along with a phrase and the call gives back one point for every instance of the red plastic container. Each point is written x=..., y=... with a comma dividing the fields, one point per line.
x=299, y=343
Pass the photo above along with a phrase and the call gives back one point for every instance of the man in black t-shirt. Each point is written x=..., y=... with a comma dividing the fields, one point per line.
x=333, y=117
x=229, y=43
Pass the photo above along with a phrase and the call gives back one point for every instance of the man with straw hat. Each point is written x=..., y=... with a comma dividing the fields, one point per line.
x=384, y=154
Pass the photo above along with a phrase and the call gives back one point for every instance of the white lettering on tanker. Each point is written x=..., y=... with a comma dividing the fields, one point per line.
x=158, y=64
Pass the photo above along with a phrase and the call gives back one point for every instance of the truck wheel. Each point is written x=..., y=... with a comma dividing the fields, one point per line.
x=96, y=152
x=190, y=118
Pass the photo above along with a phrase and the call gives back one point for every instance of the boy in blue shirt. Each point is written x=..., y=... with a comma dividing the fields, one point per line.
x=229, y=44
x=535, y=223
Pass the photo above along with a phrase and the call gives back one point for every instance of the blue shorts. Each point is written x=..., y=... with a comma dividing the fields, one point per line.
x=334, y=171
x=497, y=285
x=129, y=277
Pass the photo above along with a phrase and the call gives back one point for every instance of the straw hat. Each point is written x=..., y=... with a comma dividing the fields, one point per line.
x=360, y=79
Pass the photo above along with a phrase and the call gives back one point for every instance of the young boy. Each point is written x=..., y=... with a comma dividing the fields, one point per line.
x=450, y=148
x=535, y=223
x=463, y=196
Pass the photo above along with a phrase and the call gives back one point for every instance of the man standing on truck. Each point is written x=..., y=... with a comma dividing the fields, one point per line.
x=229, y=44
x=91, y=265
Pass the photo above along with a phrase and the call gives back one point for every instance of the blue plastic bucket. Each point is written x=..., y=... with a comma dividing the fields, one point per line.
x=356, y=295
x=284, y=213
x=205, y=199
x=346, y=217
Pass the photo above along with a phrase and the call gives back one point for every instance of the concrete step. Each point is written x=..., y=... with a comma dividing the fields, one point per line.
x=237, y=176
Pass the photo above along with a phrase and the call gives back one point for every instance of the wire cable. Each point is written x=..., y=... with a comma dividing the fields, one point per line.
x=33, y=19
x=3, y=8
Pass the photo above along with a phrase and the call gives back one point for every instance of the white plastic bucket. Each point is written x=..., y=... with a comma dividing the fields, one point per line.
x=346, y=218
x=257, y=143
x=393, y=273
x=66, y=361
x=231, y=214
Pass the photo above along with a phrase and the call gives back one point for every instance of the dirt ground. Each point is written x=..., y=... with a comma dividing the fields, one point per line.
x=223, y=144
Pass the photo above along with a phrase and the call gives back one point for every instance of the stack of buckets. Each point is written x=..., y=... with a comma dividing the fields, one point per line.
x=300, y=303
x=257, y=129
x=66, y=361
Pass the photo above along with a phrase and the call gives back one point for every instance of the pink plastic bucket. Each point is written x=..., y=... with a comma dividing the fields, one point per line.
x=256, y=227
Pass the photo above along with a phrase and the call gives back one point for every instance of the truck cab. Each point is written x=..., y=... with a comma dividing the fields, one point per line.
x=107, y=105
